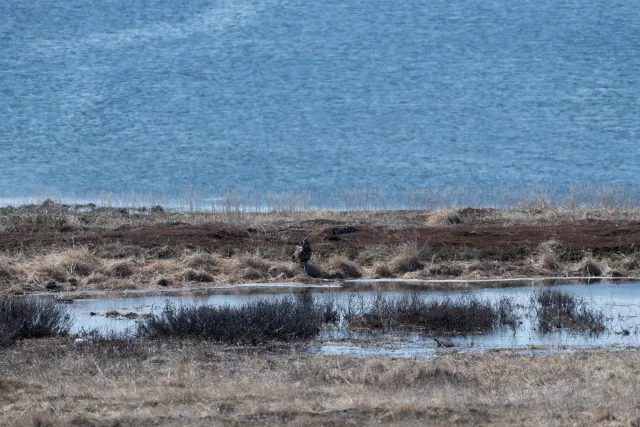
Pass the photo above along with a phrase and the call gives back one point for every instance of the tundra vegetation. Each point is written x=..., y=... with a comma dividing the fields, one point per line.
x=52, y=247
x=299, y=318
x=448, y=316
x=286, y=319
x=248, y=364
x=181, y=367
x=560, y=310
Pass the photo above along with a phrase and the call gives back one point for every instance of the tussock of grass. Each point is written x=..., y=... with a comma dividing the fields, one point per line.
x=448, y=270
x=548, y=257
x=203, y=261
x=443, y=217
x=405, y=263
x=286, y=319
x=282, y=271
x=341, y=268
x=123, y=269
x=381, y=271
x=250, y=273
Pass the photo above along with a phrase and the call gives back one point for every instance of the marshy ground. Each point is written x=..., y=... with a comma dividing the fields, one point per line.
x=52, y=247
x=168, y=380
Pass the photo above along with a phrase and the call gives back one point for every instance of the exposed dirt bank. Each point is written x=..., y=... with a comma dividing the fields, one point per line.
x=61, y=248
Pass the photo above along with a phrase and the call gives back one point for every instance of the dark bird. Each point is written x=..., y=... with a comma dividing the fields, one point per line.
x=303, y=252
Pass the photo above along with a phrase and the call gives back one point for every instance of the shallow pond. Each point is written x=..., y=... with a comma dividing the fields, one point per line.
x=620, y=304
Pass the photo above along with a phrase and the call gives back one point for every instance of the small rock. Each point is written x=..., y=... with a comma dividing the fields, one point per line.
x=53, y=286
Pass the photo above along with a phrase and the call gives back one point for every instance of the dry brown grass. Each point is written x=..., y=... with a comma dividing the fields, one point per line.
x=547, y=259
x=82, y=269
x=444, y=217
x=50, y=382
x=115, y=264
x=341, y=268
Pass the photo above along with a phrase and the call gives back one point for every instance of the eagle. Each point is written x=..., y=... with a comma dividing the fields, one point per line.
x=303, y=252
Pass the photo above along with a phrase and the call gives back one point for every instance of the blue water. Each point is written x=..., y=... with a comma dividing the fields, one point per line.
x=320, y=96
x=619, y=303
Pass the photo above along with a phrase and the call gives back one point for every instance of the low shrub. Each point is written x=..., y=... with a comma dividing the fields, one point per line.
x=285, y=319
x=559, y=310
x=508, y=313
x=450, y=316
x=32, y=318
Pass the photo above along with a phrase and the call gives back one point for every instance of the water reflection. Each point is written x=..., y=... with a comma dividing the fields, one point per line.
x=620, y=304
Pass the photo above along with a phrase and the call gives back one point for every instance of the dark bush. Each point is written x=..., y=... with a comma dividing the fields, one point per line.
x=559, y=310
x=32, y=318
x=508, y=313
x=286, y=319
x=451, y=316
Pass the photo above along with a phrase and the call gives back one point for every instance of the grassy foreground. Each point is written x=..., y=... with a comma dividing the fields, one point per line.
x=52, y=247
x=51, y=382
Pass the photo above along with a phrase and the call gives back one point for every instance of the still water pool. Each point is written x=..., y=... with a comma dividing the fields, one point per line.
x=620, y=304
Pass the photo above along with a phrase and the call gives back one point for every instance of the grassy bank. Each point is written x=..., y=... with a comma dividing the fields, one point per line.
x=52, y=247
x=50, y=382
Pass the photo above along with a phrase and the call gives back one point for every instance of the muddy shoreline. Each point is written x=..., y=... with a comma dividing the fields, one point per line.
x=54, y=249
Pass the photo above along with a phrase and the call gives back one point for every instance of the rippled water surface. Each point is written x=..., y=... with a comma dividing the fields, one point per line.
x=319, y=96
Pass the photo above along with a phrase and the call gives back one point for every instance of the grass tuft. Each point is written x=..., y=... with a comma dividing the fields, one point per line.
x=341, y=268
x=404, y=263
x=123, y=269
